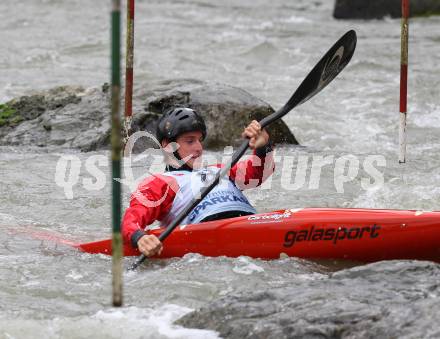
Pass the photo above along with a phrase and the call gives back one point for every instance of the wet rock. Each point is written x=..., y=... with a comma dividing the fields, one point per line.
x=381, y=300
x=66, y=116
x=74, y=117
x=377, y=9
x=226, y=110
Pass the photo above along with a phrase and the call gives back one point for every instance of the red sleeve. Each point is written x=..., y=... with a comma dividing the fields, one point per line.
x=151, y=201
x=253, y=171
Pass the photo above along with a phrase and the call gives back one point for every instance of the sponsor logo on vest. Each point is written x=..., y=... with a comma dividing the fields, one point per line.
x=214, y=201
x=206, y=174
x=333, y=234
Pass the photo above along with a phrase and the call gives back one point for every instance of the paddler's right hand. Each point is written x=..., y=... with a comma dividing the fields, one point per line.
x=149, y=245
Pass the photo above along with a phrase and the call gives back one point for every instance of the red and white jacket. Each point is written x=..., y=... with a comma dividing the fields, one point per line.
x=162, y=196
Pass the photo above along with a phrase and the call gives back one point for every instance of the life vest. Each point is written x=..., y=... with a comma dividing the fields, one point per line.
x=225, y=196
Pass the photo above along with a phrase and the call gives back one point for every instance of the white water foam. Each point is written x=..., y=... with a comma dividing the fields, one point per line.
x=128, y=322
x=245, y=265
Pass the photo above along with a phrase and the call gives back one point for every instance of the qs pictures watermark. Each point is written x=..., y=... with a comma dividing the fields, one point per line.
x=293, y=171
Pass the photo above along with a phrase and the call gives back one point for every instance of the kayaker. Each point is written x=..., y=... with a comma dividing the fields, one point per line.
x=162, y=197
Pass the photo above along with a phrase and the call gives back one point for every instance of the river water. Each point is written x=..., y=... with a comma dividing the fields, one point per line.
x=266, y=48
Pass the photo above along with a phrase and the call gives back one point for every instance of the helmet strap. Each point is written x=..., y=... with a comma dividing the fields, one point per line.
x=175, y=161
x=177, y=155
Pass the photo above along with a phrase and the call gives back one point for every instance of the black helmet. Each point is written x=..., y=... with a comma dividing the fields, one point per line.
x=177, y=121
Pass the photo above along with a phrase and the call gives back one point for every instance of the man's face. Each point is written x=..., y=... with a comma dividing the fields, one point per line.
x=190, y=145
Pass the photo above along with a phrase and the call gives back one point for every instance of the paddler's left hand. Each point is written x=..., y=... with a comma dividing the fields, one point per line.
x=257, y=137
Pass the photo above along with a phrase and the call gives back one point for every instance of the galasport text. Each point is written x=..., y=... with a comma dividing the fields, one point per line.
x=331, y=234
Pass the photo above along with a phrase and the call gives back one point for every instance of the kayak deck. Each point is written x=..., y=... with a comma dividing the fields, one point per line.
x=365, y=235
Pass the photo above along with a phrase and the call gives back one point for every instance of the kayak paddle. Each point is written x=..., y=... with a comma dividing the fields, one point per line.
x=330, y=65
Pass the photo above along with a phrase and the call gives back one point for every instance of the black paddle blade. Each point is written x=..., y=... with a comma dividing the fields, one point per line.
x=330, y=65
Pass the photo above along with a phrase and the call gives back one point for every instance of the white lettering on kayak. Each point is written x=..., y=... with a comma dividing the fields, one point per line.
x=270, y=216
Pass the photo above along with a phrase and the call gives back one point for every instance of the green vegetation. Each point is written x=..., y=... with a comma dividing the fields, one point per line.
x=9, y=116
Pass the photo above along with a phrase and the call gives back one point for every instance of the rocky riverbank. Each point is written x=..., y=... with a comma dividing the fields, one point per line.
x=79, y=118
x=334, y=306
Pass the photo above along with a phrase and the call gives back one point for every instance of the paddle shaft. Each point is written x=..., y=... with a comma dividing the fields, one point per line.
x=330, y=65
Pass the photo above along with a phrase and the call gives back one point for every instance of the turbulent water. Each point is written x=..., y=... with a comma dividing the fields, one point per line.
x=266, y=48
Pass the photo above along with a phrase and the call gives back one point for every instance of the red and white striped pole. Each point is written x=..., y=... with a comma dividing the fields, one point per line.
x=129, y=69
x=403, y=81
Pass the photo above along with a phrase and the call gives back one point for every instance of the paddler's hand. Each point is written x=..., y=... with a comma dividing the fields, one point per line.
x=149, y=245
x=257, y=137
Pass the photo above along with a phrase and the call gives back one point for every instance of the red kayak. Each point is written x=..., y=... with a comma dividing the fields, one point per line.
x=364, y=235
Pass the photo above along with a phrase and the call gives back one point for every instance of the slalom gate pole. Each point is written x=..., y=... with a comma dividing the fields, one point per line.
x=129, y=70
x=403, y=80
x=116, y=144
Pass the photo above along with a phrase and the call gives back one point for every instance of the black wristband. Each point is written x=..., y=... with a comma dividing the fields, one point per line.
x=262, y=151
x=135, y=238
